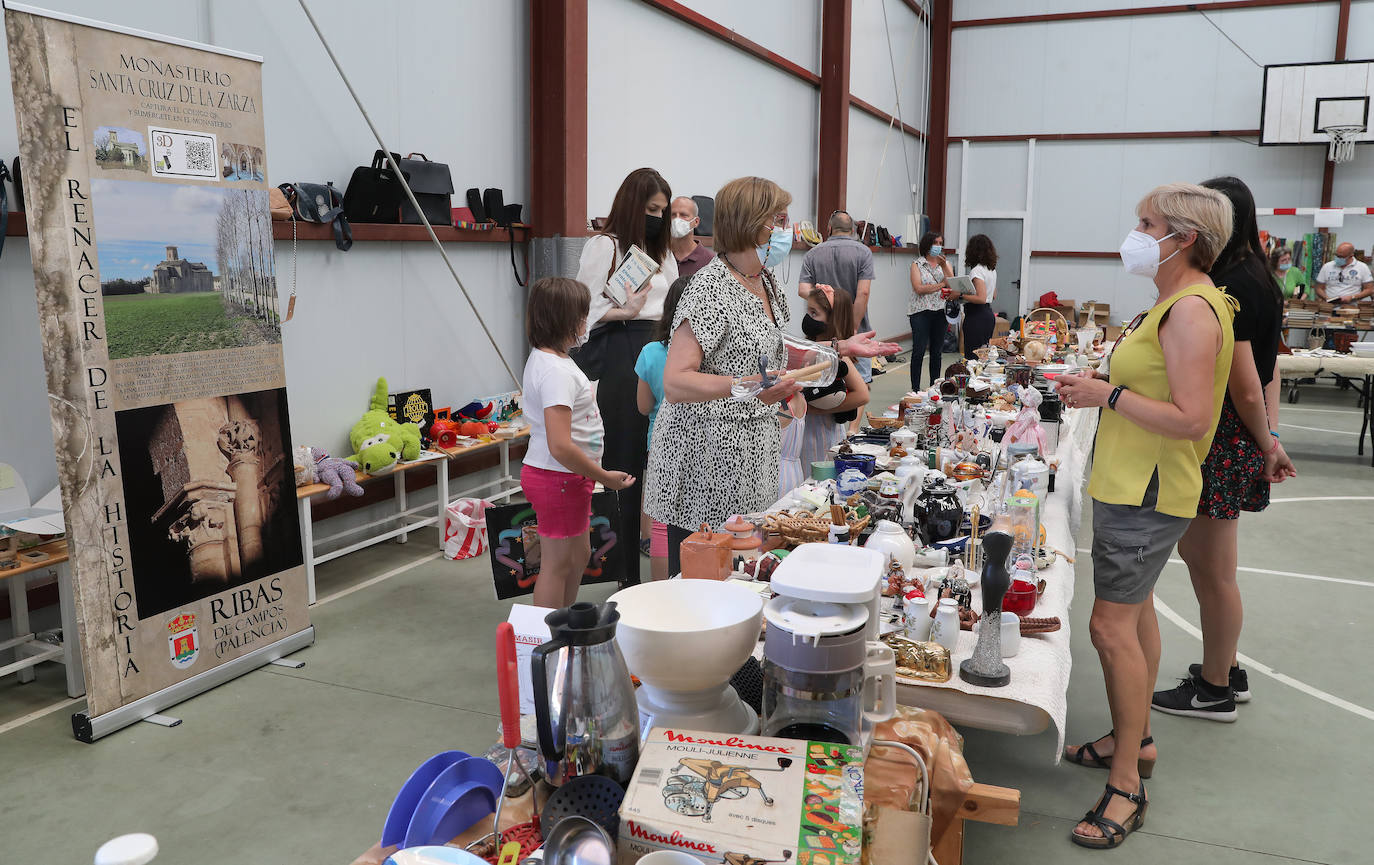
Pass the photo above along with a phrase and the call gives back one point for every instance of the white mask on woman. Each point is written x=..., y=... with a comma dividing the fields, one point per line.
x=1140, y=253
x=681, y=227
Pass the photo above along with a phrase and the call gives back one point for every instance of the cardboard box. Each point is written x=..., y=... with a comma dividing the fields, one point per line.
x=744, y=800
x=1094, y=313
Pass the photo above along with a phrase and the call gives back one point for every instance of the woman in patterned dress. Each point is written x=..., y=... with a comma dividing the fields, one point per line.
x=713, y=456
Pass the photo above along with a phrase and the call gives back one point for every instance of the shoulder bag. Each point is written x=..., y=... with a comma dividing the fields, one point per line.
x=433, y=187
x=374, y=193
x=321, y=203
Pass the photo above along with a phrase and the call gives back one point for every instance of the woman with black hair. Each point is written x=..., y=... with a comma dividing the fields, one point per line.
x=925, y=309
x=639, y=217
x=1245, y=458
x=980, y=260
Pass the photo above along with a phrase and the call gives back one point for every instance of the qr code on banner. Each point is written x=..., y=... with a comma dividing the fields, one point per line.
x=178, y=153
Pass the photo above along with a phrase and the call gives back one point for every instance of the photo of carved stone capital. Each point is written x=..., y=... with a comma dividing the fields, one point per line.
x=210, y=492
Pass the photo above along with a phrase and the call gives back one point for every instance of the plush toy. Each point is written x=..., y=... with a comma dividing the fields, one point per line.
x=304, y=463
x=377, y=440
x=473, y=429
x=339, y=474
x=474, y=411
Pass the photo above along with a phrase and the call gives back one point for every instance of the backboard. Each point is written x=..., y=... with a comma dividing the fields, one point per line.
x=1302, y=99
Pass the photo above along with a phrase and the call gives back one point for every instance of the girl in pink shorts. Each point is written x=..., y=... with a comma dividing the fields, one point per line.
x=563, y=462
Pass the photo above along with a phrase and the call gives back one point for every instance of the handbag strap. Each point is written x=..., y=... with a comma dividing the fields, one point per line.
x=4, y=206
x=521, y=282
x=414, y=155
x=379, y=159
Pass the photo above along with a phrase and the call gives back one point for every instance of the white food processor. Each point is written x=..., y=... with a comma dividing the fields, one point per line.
x=826, y=676
x=684, y=640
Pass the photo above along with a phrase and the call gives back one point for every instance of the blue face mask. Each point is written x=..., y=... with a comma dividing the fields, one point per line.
x=937, y=249
x=1285, y=265
x=774, y=252
x=1342, y=261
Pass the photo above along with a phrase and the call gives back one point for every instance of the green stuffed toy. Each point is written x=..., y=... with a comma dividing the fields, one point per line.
x=377, y=440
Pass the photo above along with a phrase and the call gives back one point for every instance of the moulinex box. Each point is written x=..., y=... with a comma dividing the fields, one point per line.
x=744, y=800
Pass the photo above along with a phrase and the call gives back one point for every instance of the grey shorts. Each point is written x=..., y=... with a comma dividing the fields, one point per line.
x=1131, y=545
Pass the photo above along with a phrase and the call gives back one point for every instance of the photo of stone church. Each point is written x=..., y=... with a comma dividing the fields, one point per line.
x=210, y=496
x=174, y=275
x=120, y=148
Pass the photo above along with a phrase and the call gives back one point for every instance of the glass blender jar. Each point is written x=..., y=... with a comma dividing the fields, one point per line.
x=813, y=670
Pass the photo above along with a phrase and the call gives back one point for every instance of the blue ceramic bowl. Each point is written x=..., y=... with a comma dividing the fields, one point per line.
x=866, y=463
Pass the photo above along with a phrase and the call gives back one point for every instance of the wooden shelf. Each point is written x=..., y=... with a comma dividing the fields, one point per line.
x=19, y=227
x=367, y=231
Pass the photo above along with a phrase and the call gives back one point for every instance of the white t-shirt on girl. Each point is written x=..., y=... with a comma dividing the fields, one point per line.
x=551, y=380
x=989, y=278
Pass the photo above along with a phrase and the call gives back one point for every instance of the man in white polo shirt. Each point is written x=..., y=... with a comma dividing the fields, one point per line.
x=1345, y=279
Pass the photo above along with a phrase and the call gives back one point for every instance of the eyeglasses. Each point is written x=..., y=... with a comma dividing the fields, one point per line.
x=1128, y=329
x=779, y=221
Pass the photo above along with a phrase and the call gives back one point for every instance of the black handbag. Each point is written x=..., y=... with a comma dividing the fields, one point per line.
x=321, y=203
x=433, y=187
x=706, y=212
x=17, y=177
x=374, y=192
x=4, y=206
x=479, y=210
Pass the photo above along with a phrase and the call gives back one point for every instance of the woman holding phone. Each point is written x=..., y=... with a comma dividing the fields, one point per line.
x=639, y=217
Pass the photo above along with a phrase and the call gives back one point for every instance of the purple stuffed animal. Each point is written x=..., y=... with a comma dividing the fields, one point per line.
x=341, y=475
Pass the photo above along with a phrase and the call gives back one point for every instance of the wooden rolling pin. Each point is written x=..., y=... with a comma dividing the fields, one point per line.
x=807, y=373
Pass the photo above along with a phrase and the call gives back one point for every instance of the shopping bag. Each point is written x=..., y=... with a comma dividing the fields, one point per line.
x=513, y=544
x=465, y=528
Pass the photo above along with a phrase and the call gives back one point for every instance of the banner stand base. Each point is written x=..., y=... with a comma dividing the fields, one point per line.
x=88, y=729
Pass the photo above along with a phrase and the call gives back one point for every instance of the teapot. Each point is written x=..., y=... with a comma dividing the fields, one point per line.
x=940, y=512
x=584, y=700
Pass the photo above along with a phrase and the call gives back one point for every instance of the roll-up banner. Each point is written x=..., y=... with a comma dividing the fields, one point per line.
x=145, y=169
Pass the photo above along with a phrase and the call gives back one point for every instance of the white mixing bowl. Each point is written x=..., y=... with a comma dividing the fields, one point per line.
x=687, y=635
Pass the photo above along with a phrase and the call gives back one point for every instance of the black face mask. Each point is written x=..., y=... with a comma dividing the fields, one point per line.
x=811, y=328
x=653, y=226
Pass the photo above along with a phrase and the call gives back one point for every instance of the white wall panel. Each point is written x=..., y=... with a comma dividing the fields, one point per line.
x=1102, y=280
x=790, y=28
x=743, y=117
x=968, y=9
x=1360, y=42
x=997, y=176
x=954, y=157
x=871, y=72
x=1154, y=72
x=878, y=184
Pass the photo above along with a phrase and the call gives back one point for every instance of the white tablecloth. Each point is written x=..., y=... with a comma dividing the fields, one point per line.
x=1037, y=694
x=1307, y=364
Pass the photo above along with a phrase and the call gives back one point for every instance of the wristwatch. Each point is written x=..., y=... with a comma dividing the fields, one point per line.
x=1116, y=394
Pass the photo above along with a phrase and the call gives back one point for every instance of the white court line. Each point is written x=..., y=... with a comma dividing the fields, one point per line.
x=1353, y=411
x=1319, y=429
x=1164, y=610
x=1323, y=499
x=320, y=602
x=1316, y=577
x=39, y=713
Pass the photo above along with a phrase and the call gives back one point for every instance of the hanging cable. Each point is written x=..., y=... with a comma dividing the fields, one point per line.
x=1229, y=39
x=897, y=95
x=411, y=195
x=891, y=124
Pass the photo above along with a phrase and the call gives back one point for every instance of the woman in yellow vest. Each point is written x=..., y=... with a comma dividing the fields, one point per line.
x=1159, y=411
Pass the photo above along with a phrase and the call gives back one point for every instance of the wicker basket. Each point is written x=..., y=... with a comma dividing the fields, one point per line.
x=1047, y=315
x=807, y=529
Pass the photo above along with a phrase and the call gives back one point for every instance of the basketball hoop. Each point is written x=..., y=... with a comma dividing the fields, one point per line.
x=1343, y=138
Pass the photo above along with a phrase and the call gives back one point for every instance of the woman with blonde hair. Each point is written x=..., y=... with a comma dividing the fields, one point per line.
x=1168, y=376
x=712, y=454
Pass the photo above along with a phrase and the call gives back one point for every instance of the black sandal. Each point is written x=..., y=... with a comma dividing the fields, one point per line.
x=1113, y=833
x=1145, y=767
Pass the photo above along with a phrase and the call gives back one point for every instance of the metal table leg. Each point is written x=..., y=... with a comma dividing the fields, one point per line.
x=307, y=544
x=19, y=619
x=1367, y=416
x=441, y=466
x=71, y=644
x=400, y=480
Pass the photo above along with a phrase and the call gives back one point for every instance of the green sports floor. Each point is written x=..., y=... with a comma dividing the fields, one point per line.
x=299, y=766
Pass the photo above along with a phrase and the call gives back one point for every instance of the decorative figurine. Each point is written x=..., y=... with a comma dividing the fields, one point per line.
x=985, y=668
